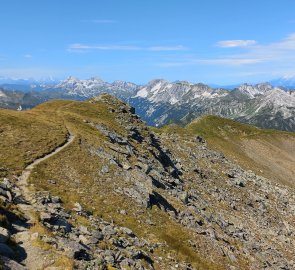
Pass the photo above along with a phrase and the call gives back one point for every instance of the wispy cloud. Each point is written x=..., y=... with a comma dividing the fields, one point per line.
x=230, y=61
x=217, y=61
x=28, y=56
x=101, y=21
x=78, y=47
x=280, y=52
x=236, y=43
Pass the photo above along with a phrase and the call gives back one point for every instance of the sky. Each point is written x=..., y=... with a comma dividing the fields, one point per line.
x=213, y=41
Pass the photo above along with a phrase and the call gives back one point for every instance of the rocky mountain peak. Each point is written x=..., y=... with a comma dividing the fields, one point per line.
x=156, y=81
x=183, y=82
x=71, y=79
x=253, y=90
x=127, y=86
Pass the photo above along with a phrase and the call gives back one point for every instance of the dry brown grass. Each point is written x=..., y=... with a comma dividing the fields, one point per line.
x=76, y=171
x=25, y=136
x=270, y=153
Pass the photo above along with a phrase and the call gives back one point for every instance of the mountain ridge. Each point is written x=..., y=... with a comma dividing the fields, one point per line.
x=160, y=102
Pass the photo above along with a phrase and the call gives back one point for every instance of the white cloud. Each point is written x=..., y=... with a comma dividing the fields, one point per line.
x=280, y=54
x=236, y=43
x=230, y=61
x=217, y=61
x=27, y=56
x=78, y=47
x=286, y=44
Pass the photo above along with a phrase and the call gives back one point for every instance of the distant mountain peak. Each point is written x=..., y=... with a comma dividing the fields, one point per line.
x=253, y=90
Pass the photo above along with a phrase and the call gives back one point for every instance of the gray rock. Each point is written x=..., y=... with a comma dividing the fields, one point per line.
x=105, y=169
x=184, y=197
x=44, y=216
x=127, y=231
x=84, y=230
x=51, y=181
x=123, y=212
x=78, y=207
x=73, y=249
x=56, y=199
x=6, y=184
x=126, y=166
x=97, y=235
x=4, y=235
x=84, y=240
x=109, y=259
x=108, y=230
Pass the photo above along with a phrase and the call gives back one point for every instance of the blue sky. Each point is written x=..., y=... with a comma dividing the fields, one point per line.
x=213, y=41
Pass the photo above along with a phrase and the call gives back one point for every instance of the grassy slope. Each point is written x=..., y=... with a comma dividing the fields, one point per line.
x=270, y=153
x=26, y=135
x=76, y=171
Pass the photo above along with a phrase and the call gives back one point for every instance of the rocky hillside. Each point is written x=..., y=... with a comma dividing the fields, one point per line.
x=96, y=188
x=268, y=152
x=161, y=102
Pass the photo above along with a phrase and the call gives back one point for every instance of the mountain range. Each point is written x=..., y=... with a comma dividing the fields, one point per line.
x=160, y=102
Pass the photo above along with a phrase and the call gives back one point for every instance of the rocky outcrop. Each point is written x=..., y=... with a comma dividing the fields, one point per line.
x=80, y=243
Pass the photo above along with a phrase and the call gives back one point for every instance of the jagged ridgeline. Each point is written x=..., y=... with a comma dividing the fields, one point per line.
x=160, y=102
x=87, y=185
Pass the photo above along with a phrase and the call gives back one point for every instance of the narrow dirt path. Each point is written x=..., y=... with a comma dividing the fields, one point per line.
x=22, y=180
x=31, y=256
